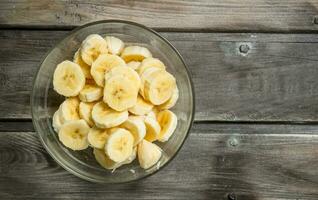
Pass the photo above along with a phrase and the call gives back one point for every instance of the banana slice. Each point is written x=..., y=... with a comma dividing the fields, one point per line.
x=85, y=112
x=90, y=93
x=92, y=47
x=152, y=129
x=152, y=114
x=125, y=72
x=148, y=154
x=150, y=62
x=141, y=107
x=131, y=158
x=102, y=65
x=119, y=144
x=119, y=93
x=68, y=79
x=147, y=72
x=159, y=86
x=168, y=122
x=73, y=134
x=135, y=53
x=136, y=126
x=104, y=160
x=97, y=137
x=69, y=109
x=134, y=65
x=115, y=45
x=85, y=67
x=105, y=117
x=107, y=163
x=56, y=122
x=171, y=102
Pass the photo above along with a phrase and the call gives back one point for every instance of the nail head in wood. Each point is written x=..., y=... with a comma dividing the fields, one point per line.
x=244, y=48
x=233, y=142
x=231, y=196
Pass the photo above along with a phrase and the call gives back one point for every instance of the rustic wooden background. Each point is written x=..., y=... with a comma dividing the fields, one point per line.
x=254, y=65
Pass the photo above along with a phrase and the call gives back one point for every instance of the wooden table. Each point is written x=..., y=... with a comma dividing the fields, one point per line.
x=254, y=64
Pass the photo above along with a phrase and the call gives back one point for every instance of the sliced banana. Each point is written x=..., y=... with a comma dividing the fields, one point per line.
x=159, y=86
x=168, y=122
x=118, y=102
x=148, y=154
x=69, y=109
x=90, y=93
x=73, y=134
x=106, y=117
x=85, y=112
x=171, y=102
x=115, y=45
x=119, y=93
x=150, y=62
x=97, y=137
x=102, y=65
x=141, y=107
x=147, y=72
x=152, y=114
x=131, y=158
x=152, y=129
x=134, y=65
x=119, y=144
x=135, y=53
x=126, y=73
x=103, y=159
x=92, y=47
x=85, y=67
x=56, y=122
x=107, y=163
x=137, y=128
x=68, y=79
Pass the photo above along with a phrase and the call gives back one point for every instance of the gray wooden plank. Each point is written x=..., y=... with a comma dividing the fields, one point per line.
x=276, y=80
x=279, y=162
x=217, y=15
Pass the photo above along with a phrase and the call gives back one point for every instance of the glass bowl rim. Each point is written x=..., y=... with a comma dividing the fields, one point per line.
x=37, y=128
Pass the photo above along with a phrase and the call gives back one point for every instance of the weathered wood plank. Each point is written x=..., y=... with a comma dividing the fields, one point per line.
x=279, y=162
x=218, y=15
x=276, y=80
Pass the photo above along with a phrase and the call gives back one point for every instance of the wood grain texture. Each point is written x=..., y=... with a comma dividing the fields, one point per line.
x=278, y=162
x=276, y=80
x=217, y=15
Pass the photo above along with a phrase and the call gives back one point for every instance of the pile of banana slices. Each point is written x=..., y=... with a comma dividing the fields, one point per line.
x=117, y=102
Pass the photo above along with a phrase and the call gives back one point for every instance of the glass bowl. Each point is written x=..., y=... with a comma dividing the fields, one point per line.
x=45, y=101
